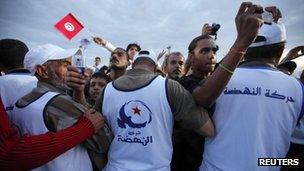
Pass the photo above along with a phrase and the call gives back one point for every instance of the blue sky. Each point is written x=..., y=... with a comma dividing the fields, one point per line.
x=154, y=24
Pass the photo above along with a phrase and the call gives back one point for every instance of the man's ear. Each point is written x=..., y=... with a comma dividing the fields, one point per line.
x=190, y=60
x=41, y=71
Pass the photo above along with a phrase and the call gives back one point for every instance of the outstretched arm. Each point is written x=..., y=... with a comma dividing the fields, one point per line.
x=247, y=25
x=103, y=42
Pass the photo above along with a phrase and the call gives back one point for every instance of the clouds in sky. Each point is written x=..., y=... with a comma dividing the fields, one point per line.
x=151, y=23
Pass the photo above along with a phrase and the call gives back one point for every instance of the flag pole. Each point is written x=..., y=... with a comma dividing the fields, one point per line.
x=90, y=33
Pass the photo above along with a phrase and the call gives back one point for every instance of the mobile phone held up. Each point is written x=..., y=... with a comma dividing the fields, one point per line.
x=79, y=61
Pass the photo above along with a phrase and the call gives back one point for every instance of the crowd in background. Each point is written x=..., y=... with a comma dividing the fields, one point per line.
x=189, y=113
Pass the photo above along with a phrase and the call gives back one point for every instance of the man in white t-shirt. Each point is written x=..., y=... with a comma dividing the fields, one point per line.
x=17, y=81
x=259, y=109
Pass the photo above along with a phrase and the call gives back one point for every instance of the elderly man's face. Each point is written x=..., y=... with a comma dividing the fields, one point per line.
x=56, y=71
x=175, y=66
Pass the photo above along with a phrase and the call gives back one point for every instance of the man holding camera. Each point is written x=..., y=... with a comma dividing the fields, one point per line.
x=259, y=108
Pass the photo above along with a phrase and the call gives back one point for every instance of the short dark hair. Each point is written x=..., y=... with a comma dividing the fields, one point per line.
x=101, y=75
x=268, y=51
x=97, y=57
x=121, y=49
x=12, y=53
x=133, y=44
x=193, y=43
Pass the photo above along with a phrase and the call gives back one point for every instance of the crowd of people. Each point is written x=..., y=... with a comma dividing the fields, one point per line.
x=187, y=114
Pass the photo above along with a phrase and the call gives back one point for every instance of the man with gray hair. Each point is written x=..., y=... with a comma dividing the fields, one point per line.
x=173, y=65
x=49, y=108
x=140, y=107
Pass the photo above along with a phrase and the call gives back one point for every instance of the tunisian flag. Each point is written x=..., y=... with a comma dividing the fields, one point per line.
x=69, y=26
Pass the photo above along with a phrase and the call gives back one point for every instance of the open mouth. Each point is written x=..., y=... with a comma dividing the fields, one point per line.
x=114, y=61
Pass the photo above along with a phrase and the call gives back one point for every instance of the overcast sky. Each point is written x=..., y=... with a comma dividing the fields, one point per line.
x=154, y=24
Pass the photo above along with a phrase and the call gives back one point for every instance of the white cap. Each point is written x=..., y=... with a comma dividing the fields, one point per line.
x=270, y=34
x=41, y=54
x=146, y=54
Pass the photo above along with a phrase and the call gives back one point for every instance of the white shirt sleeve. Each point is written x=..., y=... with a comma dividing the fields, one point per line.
x=109, y=46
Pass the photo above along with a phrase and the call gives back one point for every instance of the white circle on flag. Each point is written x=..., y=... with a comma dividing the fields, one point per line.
x=69, y=26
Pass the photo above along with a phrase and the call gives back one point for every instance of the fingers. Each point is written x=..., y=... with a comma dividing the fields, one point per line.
x=243, y=8
x=254, y=9
x=275, y=12
x=97, y=40
x=205, y=25
x=207, y=29
x=74, y=72
x=72, y=68
x=90, y=111
x=96, y=119
x=74, y=78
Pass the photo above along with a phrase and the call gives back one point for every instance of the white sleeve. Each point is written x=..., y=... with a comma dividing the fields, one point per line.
x=109, y=46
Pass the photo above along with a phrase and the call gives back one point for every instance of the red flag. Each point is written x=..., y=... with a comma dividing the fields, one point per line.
x=69, y=26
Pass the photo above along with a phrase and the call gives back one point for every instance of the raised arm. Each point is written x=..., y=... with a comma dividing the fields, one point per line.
x=247, y=25
x=103, y=42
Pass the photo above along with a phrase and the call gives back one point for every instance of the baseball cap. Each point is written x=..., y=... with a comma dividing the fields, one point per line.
x=43, y=53
x=145, y=54
x=270, y=34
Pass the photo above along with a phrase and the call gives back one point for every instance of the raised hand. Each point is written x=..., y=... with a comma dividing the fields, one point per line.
x=100, y=41
x=75, y=79
x=247, y=23
x=276, y=13
x=294, y=53
x=207, y=29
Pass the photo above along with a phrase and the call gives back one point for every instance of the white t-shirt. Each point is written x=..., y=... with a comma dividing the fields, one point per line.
x=14, y=86
x=254, y=118
x=141, y=122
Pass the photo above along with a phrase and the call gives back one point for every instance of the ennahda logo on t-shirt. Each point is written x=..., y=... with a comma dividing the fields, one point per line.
x=134, y=116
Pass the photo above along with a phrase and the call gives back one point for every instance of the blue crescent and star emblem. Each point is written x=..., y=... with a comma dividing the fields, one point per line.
x=135, y=114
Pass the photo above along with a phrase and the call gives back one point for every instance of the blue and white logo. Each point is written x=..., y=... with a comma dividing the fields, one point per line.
x=135, y=114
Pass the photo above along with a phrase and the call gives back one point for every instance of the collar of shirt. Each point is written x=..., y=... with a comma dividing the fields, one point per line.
x=135, y=72
x=18, y=71
x=44, y=86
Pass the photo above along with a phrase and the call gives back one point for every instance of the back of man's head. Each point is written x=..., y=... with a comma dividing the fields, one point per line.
x=144, y=58
x=12, y=53
x=269, y=44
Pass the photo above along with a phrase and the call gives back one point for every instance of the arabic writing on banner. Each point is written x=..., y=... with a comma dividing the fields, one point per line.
x=258, y=91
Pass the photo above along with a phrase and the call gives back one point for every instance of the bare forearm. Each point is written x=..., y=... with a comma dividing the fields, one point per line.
x=213, y=86
x=79, y=97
